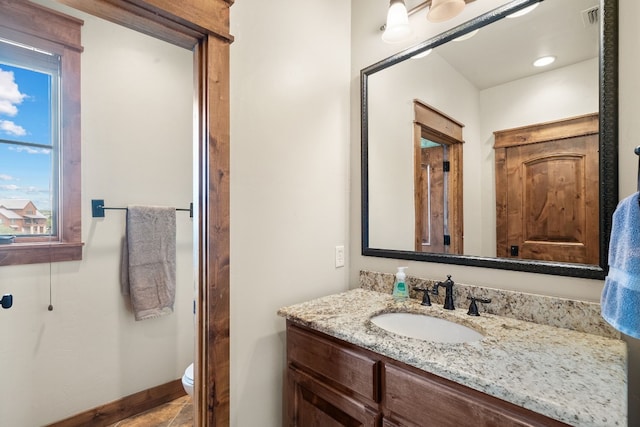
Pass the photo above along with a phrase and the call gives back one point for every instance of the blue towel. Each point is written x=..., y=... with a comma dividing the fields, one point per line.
x=620, y=301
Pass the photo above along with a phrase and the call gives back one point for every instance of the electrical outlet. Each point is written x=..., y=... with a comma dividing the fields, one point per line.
x=339, y=256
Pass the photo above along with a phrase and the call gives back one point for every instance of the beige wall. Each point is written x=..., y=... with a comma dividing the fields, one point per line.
x=289, y=182
x=136, y=130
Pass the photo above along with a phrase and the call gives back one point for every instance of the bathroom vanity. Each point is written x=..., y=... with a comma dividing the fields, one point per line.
x=343, y=370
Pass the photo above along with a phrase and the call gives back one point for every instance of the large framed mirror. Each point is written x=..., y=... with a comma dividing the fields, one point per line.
x=472, y=156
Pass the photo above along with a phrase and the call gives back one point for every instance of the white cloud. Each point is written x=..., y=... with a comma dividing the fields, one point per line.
x=9, y=187
x=4, y=177
x=11, y=128
x=29, y=150
x=10, y=95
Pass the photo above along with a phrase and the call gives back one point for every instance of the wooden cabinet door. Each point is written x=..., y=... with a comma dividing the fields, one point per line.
x=410, y=397
x=547, y=192
x=314, y=404
x=423, y=400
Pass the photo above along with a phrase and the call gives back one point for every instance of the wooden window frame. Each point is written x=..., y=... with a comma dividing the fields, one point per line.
x=40, y=27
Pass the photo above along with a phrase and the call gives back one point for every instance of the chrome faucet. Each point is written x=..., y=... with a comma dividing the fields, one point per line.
x=448, y=295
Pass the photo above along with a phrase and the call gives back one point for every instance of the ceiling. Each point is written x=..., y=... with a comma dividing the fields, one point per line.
x=505, y=50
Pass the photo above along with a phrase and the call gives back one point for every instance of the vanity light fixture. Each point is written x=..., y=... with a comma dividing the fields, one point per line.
x=544, y=61
x=524, y=11
x=397, y=28
x=443, y=10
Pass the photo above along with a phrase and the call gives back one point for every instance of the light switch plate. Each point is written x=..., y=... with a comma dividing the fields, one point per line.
x=339, y=256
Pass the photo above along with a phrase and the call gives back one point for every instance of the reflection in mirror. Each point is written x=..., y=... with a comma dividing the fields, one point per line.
x=437, y=185
x=523, y=193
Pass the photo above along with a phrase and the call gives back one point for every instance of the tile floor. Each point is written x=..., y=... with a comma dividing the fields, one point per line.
x=177, y=413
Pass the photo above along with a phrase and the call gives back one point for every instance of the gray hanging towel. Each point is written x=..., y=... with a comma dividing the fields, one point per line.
x=148, y=273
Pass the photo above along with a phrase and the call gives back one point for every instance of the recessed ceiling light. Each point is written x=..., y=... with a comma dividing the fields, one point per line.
x=422, y=54
x=523, y=11
x=466, y=36
x=544, y=61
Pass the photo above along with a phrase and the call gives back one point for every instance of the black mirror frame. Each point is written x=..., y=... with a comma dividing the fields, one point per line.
x=608, y=145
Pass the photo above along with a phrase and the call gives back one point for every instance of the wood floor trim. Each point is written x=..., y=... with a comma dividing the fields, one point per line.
x=126, y=407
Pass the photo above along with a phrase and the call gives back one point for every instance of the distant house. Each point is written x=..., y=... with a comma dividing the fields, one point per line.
x=22, y=216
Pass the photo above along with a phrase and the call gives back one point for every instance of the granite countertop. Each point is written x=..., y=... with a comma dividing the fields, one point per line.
x=574, y=377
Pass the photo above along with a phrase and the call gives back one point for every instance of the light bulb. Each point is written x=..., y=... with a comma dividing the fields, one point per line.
x=397, y=28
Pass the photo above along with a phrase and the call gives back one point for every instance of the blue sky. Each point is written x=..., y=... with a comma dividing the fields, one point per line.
x=25, y=116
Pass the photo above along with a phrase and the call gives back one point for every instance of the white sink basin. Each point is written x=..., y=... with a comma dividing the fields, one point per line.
x=426, y=328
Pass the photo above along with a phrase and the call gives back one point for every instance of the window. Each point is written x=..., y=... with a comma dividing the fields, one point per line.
x=39, y=134
x=29, y=139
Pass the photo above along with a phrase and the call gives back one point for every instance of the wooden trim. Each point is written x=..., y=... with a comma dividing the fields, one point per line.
x=456, y=223
x=128, y=406
x=418, y=204
x=211, y=17
x=213, y=399
x=39, y=21
x=501, y=202
x=70, y=224
x=164, y=19
x=572, y=127
x=36, y=253
x=437, y=121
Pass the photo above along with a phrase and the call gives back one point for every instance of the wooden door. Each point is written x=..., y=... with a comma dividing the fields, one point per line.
x=431, y=200
x=437, y=140
x=547, y=194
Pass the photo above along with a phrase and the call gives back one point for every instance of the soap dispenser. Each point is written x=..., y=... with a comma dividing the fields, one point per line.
x=400, y=289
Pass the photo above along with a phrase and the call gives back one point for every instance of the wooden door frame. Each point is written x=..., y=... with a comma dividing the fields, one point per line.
x=447, y=131
x=203, y=27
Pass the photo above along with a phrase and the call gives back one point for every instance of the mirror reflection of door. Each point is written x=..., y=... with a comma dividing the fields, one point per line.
x=547, y=187
x=431, y=203
x=437, y=181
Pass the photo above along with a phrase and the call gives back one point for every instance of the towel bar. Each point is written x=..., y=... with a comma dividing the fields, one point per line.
x=98, y=208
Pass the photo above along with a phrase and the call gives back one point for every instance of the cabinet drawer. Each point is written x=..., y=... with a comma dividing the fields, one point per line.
x=333, y=362
x=421, y=399
x=314, y=404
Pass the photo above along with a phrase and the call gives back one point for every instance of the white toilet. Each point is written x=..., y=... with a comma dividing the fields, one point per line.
x=187, y=380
